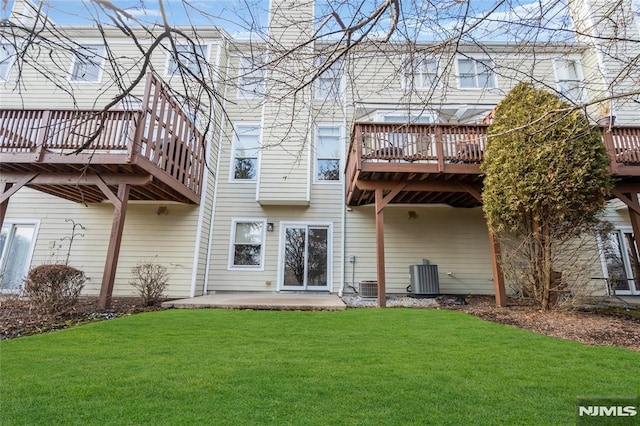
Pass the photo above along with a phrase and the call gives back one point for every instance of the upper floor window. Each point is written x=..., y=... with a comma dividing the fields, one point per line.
x=329, y=83
x=7, y=55
x=191, y=57
x=328, y=148
x=476, y=74
x=569, y=79
x=404, y=118
x=251, y=76
x=421, y=72
x=246, y=148
x=88, y=63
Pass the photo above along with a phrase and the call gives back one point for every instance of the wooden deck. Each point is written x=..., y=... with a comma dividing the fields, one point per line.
x=74, y=154
x=153, y=153
x=440, y=163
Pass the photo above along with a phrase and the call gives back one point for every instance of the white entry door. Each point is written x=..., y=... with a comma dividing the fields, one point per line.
x=305, y=258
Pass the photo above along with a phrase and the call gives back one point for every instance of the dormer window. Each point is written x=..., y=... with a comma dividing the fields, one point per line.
x=251, y=76
x=88, y=64
x=7, y=55
x=329, y=83
x=476, y=74
x=569, y=79
x=421, y=72
x=191, y=57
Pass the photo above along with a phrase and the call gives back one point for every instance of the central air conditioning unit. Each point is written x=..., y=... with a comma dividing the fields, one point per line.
x=368, y=289
x=424, y=279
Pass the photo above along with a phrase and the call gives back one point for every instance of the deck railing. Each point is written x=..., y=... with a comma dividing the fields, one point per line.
x=455, y=144
x=159, y=132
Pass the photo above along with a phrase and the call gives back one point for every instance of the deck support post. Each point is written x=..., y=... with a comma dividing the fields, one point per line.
x=381, y=201
x=382, y=292
x=4, y=205
x=111, y=262
x=498, y=276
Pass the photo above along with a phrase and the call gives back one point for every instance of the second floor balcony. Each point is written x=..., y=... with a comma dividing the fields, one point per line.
x=440, y=163
x=74, y=154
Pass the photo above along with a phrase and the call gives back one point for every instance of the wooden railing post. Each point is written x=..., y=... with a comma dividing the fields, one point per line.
x=439, y=148
x=358, y=142
x=607, y=138
x=43, y=131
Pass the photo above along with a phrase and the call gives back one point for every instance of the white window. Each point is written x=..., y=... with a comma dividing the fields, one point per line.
x=16, y=248
x=328, y=149
x=475, y=74
x=191, y=57
x=620, y=261
x=569, y=79
x=251, y=76
x=247, y=244
x=88, y=63
x=329, y=83
x=7, y=56
x=404, y=118
x=421, y=73
x=246, y=151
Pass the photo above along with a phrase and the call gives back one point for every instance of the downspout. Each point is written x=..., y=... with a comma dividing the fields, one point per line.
x=343, y=230
x=203, y=200
x=215, y=185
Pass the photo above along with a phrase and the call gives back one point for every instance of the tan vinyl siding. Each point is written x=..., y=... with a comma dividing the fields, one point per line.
x=454, y=239
x=166, y=239
x=236, y=203
x=378, y=78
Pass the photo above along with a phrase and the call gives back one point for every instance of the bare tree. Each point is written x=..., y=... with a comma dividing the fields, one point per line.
x=345, y=35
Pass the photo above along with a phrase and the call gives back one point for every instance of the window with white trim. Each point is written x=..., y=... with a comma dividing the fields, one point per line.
x=404, y=118
x=421, y=72
x=328, y=148
x=476, y=74
x=569, y=79
x=251, y=76
x=329, y=83
x=620, y=261
x=247, y=244
x=88, y=63
x=16, y=248
x=7, y=56
x=191, y=57
x=246, y=150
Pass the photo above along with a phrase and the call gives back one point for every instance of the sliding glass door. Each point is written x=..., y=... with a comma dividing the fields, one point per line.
x=305, y=257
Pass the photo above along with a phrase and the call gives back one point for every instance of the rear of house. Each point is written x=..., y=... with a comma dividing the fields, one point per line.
x=356, y=176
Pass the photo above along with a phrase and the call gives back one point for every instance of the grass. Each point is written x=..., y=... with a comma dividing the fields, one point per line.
x=393, y=366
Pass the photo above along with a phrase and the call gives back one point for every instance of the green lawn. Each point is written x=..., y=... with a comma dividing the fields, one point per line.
x=360, y=366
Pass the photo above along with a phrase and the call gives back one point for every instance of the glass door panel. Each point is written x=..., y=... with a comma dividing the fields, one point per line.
x=317, y=258
x=15, y=246
x=295, y=254
x=621, y=261
x=634, y=262
x=305, y=258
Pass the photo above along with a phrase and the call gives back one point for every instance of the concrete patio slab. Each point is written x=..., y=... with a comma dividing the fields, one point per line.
x=262, y=301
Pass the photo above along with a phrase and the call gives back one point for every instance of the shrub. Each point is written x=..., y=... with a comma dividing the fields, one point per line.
x=151, y=280
x=54, y=288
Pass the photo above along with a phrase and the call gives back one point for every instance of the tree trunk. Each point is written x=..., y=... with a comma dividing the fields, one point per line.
x=547, y=267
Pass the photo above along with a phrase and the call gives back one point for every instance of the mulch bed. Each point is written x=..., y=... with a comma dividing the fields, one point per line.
x=18, y=318
x=602, y=326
